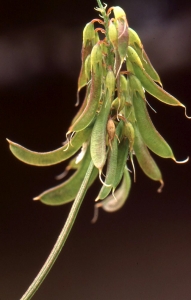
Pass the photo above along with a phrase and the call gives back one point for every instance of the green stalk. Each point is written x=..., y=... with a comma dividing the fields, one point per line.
x=102, y=10
x=99, y=4
x=61, y=239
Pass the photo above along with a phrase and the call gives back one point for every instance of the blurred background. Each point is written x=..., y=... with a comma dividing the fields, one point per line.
x=141, y=252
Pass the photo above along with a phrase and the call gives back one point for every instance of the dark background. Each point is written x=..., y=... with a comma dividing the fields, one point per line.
x=141, y=252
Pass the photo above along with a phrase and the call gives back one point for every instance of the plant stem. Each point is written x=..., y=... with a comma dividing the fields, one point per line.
x=102, y=10
x=99, y=4
x=61, y=239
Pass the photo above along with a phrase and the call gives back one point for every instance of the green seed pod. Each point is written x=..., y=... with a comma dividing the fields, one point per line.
x=136, y=86
x=96, y=58
x=134, y=57
x=98, y=136
x=123, y=90
x=127, y=93
x=88, y=34
x=152, y=88
x=123, y=151
x=123, y=95
x=150, y=135
x=83, y=105
x=110, y=83
x=88, y=42
x=88, y=67
x=128, y=132
x=82, y=79
x=118, y=12
x=116, y=104
x=67, y=191
x=147, y=64
x=129, y=66
x=123, y=37
x=128, y=110
x=110, y=171
x=134, y=39
x=52, y=157
x=94, y=97
x=145, y=160
x=113, y=35
x=96, y=38
x=114, y=202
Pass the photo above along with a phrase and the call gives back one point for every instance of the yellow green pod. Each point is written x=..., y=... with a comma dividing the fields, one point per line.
x=118, y=12
x=128, y=132
x=96, y=57
x=115, y=201
x=154, y=89
x=145, y=160
x=88, y=42
x=98, y=136
x=88, y=67
x=123, y=151
x=88, y=34
x=134, y=57
x=110, y=83
x=83, y=105
x=122, y=30
x=42, y=159
x=134, y=39
x=123, y=93
x=110, y=171
x=136, y=85
x=147, y=64
x=151, y=137
x=129, y=66
x=67, y=191
x=89, y=112
x=113, y=35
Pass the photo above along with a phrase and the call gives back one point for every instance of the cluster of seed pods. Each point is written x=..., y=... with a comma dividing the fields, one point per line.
x=113, y=124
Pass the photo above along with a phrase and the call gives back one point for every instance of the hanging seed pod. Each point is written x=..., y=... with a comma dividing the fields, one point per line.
x=145, y=160
x=113, y=35
x=136, y=86
x=89, y=112
x=98, y=137
x=111, y=165
x=122, y=33
x=134, y=57
x=67, y=191
x=115, y=201
x=88, y=42
x=154, y=141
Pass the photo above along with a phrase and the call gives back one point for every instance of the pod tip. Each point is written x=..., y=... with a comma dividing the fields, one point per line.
x=132, y=162
x=159, y=190
x=96, y=212
x=181, y=161
x=186, y=112
x=68, y=139
x=36, y=198
x=63, y=174
x=107, y=185
x=113, y=194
